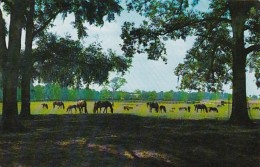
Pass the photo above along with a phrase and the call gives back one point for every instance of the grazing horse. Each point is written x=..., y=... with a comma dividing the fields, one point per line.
x=127, y=108
x=162, y=108
x=102, y=104
x=152, y=105
x=70, y=107
x=173, y=108
x=82, y=104
x=59, y=104
x=183, y=109
x=202, y=107
x=44, y=105
x=256, y=108
x=213, y=109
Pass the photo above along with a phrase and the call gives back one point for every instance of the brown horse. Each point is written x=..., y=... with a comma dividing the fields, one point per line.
x=70, y=107
x=82, y=104
x=152, y=105
x=162, y=108
x=202, y=107
x=127, y=108
x=44, y=105
x=183, y=108
x=101, y=104
x=59, y=104
x=213, y=109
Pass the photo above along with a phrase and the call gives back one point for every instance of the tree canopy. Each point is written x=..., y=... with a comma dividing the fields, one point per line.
x=67, y=62
x=227, y=37
x=178, y=19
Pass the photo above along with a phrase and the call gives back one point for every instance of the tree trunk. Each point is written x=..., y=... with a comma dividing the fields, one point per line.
x=10, y=120
x=239, y=115
x=27, y=65
x=25, y=96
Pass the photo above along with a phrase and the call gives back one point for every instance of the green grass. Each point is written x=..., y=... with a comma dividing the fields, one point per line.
x=140, y=109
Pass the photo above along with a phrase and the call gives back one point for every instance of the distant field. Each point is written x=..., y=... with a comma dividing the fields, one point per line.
x=140, y=109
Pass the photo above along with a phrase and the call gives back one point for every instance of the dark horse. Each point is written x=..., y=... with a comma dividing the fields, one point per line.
x=162, y=108
x=44, y=105
x=59, y=104
x=202, y=107
x=213, y=109
x=70, y=107
x=152, y=105
x=101, y=104
x=82, y=104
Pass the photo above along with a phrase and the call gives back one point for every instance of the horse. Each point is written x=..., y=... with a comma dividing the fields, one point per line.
x=183, y=108
x=44, y=105
x=127, y=108
x=152, y=105
x=202, y=107
x=213, y=109
x=256, y=108
x=70, y=107
x=162, y=108
x=173, y=108
x=59, y=104
x=101, y=104
x=82, y=104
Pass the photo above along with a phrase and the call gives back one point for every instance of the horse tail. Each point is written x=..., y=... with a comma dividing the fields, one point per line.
x=53, y=104
x=63, y=105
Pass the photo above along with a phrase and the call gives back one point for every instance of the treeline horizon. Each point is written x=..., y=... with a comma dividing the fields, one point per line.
x=51, y=92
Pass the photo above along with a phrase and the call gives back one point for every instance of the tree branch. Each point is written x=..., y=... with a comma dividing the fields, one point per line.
x=45, y=24
x=253, y=48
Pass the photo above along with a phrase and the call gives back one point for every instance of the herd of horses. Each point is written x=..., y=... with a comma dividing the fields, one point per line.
x=81, y=105
x=198, y=107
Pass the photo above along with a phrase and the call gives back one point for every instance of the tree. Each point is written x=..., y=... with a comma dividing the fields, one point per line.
x=68, y=63
x=9, y=57
x=115, y=84
x=220, y=31
x=39, y=15
x=151, y=95
x=168, y=96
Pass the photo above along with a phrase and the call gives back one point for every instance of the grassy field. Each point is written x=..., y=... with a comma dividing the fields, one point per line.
x=135, y=138
x=140, y=109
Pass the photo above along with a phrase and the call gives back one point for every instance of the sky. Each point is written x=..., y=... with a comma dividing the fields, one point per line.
x=147, y=75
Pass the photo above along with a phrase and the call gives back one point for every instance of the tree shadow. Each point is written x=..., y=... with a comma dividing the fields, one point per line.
x=128, y=140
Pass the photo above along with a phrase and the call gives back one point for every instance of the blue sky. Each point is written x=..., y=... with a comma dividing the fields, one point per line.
x=144, y=74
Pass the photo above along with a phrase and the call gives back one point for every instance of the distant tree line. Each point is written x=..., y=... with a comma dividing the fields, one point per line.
x=51, y=92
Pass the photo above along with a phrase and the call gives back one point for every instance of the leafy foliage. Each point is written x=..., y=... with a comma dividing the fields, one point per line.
x=65, y=61
x=208, y=64
x=91, y=11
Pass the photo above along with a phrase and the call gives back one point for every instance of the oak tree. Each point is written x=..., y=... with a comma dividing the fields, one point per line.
x=35, y=16
x=227, y=36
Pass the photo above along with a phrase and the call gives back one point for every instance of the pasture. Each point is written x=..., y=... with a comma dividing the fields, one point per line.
x=141, y=109
x=133, y=137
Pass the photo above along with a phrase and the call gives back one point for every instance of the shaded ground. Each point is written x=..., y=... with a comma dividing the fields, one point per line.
x=127, y=140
